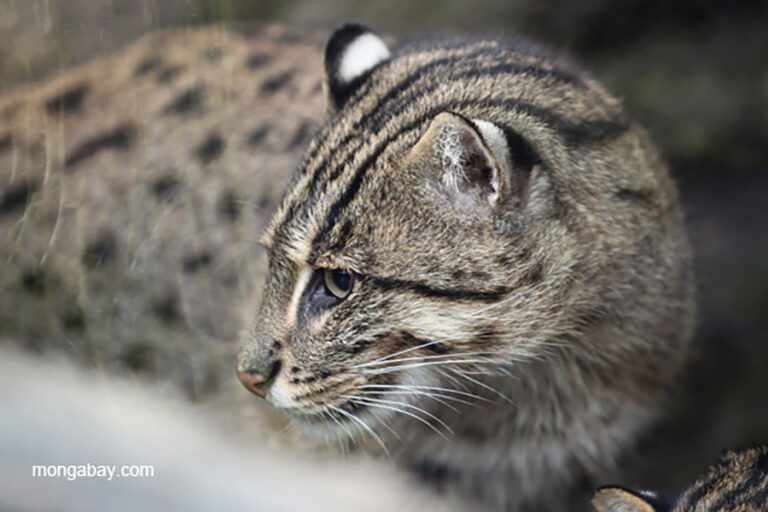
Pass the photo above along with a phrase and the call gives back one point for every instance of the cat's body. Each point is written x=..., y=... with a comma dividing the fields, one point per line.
x=133, y=190
x=737, y=482
x=481, y=266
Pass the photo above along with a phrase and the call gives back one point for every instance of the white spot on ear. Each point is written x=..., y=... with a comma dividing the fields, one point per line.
x=361, y=55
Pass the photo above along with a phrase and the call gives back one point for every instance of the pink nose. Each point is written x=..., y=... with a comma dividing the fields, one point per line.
x=254, y=383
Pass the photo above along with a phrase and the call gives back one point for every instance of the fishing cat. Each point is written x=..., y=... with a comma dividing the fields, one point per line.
x=737, y=482
x=480, y=269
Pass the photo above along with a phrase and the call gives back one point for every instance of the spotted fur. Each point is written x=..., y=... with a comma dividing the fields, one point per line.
x=511, y=326
x=133, y=190
x=737, y=482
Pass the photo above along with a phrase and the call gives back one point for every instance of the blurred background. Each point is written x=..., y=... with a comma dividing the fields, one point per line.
x=694, y=72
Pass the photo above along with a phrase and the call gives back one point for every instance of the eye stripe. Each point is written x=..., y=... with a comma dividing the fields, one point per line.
x=453, y=294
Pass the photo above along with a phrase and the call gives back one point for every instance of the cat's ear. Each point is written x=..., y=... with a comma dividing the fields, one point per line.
x=351, y=53
x=618, y=499
x=477, y=164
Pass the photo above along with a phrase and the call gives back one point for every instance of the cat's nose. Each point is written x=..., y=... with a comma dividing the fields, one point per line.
x=256, y=382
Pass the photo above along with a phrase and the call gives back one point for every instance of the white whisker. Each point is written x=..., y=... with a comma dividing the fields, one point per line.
x=404, y=404
x=396, y=367
x=427, y=388
x=439, y=397
x=423, y=358
x=364, y=401
x=390, y=356
x=434, y=396
x=481, y=384
x=364, y=425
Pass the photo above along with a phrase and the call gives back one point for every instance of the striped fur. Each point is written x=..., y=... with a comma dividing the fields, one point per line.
x=738, y=482
x=502, y=349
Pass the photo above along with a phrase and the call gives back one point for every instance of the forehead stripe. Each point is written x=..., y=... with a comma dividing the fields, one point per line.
x=577, y=132
x=376, y=116
x=574, y=132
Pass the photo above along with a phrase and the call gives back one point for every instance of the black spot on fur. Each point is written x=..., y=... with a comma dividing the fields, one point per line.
x=213, y=53
x=165, y=187
x=100, y=251
x=68, y=101
x=138, y=358
x=34, y=281
x=432, y=471
x=325, y=374
x=357, y=347
x=302, y=134
x=412, y=341
x=257, y=60
x=147, y=65
x=74, y=320
x=295, y=369
x=257, y=136
x=166, y=308
x=276, y=345
x=310, y=380
x=295, y=381
x=17, y=196
x=5, y=142
x=641, y=195
x=210, y=149
x=169, y=74
x=188, y=101
x=535, y=276
x=195, y=262
x=229, y=206
x=277, y=82
x=120, y=137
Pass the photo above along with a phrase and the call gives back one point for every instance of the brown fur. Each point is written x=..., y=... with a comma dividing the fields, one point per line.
x=738, y=482
x=575, y=286
x=133, y=191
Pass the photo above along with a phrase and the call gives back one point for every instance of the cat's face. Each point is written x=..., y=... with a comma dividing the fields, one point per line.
x=389, y=305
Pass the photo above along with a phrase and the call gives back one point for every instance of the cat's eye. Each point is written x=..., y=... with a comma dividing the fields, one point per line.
x=338, y=282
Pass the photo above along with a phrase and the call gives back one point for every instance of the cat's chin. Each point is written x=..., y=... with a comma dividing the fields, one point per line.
x=342, y=431
x=321, y=428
